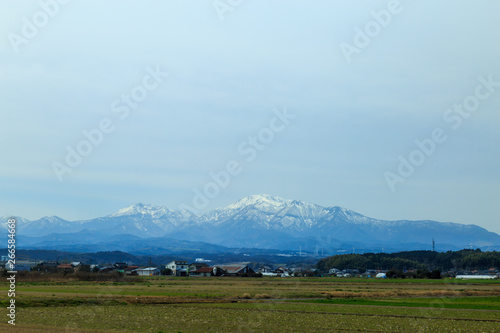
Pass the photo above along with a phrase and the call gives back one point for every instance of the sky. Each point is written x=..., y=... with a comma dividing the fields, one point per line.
x=388, y=108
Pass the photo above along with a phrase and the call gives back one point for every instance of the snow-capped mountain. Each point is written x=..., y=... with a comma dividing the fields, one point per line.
x=264, y=221
x=268, y=212
x=153, y=211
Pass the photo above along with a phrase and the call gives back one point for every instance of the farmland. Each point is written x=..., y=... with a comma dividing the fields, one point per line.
x=169, y=304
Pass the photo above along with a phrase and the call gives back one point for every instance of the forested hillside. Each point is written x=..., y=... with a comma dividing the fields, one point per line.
x=459, y=260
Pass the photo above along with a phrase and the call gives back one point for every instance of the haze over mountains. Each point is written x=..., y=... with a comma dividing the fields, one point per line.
x=257, y=221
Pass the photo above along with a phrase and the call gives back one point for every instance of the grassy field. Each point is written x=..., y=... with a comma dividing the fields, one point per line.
x=169, y=304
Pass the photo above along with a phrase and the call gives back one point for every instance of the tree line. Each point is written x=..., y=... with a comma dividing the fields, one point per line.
x=424, y=260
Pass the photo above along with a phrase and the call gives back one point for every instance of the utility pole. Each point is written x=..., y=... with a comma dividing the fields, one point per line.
x=433, y=246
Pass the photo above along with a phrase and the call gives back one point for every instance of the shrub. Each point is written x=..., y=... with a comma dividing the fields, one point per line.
x=435, y=274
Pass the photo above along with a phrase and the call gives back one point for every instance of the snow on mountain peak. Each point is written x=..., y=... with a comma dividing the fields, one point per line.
x=140, y=208
x=260, y=201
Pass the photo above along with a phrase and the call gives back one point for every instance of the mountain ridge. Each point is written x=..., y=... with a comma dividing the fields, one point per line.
x=265, y=221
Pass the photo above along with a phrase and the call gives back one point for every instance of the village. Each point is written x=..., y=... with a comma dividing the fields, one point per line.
x=203, y=268
x=172, y=268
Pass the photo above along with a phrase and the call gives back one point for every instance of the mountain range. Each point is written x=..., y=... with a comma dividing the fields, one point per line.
x=257, y=221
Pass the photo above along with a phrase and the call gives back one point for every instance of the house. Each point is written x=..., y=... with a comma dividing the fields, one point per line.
x=95, y=268
x=273, y=272
x=25, y=265
x=79, y=266
x=130, y=270
x=265, y=269
x=203, y=271
x=178, y=267
x=47, y=266
x=369, y=273
x=120, y=266
x=66, y=268
x=82, y=268
x=353, y=272
x=106, y=268
x=197, y=265
x=148, y=271
x=235, y=269
x=282, y=271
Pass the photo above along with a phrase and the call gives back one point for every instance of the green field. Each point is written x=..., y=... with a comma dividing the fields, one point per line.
x=169, y=304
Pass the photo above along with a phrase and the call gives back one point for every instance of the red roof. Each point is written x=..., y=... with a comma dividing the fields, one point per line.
x=203, y=270
x=131, y=268
x=234, y=268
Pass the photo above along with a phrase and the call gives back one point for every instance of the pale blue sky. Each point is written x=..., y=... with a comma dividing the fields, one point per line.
x=225, y=78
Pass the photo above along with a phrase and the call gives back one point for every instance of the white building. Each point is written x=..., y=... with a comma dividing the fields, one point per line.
x=25, y=265
x=178, y=267
x=148, y=271
x=479, y=277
